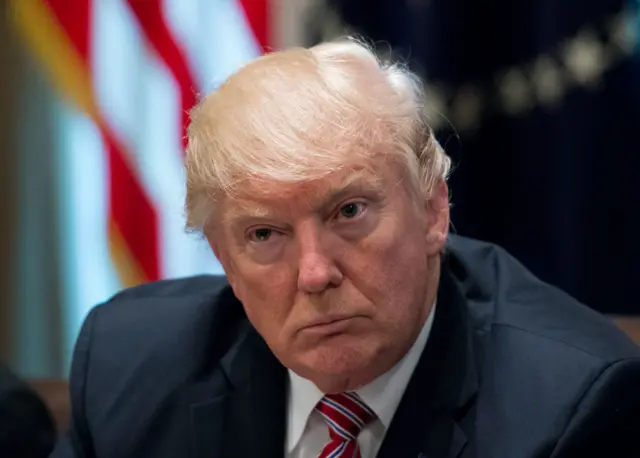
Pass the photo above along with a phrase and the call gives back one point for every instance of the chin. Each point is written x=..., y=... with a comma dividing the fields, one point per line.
x=337, y=360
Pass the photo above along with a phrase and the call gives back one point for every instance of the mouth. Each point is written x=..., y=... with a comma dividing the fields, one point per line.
x=329, y=326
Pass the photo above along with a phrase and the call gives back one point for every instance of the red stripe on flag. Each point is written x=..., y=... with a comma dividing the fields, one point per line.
x=75, y=19
x=131, y=211
x=129, y=207
x=151, y=19
x=257, y=12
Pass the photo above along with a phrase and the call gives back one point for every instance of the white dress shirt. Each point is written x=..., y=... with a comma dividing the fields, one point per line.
x=307, y=432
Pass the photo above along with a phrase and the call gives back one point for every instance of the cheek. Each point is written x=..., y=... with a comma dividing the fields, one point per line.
x=397, y=246
x=393, y=271
x=405, y=270
x=267, y=295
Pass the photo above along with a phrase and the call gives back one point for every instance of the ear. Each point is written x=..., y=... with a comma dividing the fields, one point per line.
x=437, y=211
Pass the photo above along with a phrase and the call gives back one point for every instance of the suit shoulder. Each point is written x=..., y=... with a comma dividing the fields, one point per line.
x=177, y=324
x=174, y=288
x=505, y=294
x=145, y=344
x=555, y=316
x=155, y=310
x=552, y=314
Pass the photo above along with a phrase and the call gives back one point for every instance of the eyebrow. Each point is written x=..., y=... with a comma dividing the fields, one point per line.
x=360, y=179
x=245, y=212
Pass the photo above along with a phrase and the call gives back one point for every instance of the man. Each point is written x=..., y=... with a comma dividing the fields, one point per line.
x=350, y=323
x=27, y=429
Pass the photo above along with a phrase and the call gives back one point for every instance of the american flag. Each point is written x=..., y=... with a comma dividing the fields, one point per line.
x=127, y=72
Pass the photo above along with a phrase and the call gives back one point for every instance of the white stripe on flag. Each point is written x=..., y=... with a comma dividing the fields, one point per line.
x=88, y=275
x=141, y=101
x=218, y=40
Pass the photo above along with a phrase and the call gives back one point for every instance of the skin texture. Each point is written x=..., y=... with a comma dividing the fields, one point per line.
x=338, y=275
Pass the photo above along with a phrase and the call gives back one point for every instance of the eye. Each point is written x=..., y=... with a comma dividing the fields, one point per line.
x=261, y=234
x=351, y=210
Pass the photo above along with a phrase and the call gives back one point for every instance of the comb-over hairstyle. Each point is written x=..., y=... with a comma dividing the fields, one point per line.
x=300, y=114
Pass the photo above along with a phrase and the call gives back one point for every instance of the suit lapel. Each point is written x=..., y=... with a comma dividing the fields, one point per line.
x=248, y=418
x=430, y=419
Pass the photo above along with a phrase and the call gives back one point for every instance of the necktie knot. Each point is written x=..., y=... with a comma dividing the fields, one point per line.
x=346, y=415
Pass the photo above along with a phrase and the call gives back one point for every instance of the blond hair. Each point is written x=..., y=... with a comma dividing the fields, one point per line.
x=300, y=114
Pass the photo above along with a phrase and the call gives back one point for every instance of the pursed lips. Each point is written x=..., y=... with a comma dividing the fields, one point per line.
x=328, y=320
x=329, y=324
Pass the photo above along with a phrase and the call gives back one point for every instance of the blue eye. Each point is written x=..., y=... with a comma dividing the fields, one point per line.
x=351, y=210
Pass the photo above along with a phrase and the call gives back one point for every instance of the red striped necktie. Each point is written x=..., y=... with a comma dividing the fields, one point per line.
x=346, y=415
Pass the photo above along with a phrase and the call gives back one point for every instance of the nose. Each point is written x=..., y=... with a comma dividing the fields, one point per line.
x=316, y=269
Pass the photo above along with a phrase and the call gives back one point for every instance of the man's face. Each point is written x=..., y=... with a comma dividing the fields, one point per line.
x=337, y=275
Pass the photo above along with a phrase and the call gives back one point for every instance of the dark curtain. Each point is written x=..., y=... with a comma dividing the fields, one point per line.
x=538, y=102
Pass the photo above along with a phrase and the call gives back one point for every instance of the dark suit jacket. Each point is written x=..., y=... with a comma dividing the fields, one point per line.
x=26, y=426
x=513, y=368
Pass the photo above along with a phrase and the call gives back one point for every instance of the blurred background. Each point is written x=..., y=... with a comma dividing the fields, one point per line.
x=538, y=102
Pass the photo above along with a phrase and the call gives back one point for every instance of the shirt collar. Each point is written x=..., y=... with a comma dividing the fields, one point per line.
x=304, y=395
